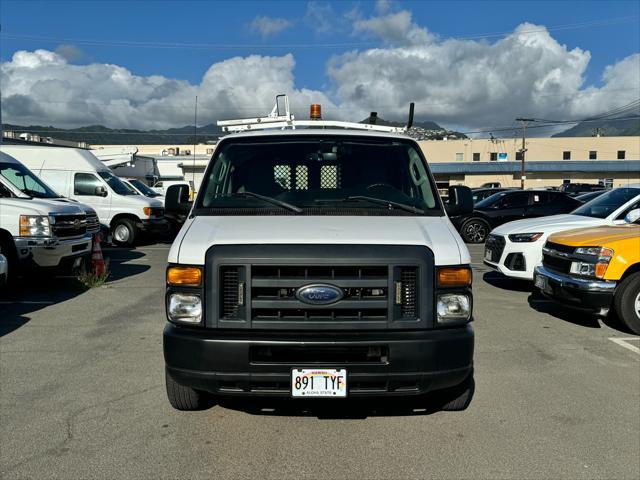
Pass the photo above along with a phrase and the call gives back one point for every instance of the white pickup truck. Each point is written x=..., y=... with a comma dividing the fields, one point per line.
x=37, y=227
x=319, y=263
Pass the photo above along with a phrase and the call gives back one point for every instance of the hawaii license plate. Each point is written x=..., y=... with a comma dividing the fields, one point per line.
x=488, y=254
x=542, y=283
x=319, y=382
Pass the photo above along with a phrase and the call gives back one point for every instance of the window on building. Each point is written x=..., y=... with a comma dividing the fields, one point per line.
x=607, y=182
x=459, y=157
x=519, y=156
x=493, y=156
x=593, y=155
x=621, y=154
x=476, y=157
x=566, y=155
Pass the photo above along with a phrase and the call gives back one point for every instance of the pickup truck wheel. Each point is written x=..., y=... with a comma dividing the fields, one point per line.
x=124, y=232
x=458, y=398
x=474, y=230
x=627, y=302
x=186, y=398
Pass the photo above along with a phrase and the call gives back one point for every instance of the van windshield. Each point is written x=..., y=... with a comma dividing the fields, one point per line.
x=116, y=184
x=25, y=181
x=607, y=203
x=144, y=188
x=318, y=175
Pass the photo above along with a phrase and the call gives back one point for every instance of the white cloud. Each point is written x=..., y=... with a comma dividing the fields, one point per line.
x=268, y=26
x=392, y=28
x=41, y=87
x=69, y=52
x=320, y=17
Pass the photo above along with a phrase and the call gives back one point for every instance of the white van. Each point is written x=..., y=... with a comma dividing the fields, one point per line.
x=78, y=174
x=37, y=228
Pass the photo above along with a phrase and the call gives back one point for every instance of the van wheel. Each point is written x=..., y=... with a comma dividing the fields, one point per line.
x=627, y=302
x=459, y=397
x=124, y=232
x=9, y=251
x=186, y=398
x=474, y=230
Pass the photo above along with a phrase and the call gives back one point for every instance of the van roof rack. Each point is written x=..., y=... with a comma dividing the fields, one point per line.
x=285, y=120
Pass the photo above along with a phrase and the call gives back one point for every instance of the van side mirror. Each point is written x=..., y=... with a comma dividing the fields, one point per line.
x=176, y=201
x=101, y=191
x=633, y=216
x=460, y=201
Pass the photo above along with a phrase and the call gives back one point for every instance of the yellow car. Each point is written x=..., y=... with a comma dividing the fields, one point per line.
x=595, y=269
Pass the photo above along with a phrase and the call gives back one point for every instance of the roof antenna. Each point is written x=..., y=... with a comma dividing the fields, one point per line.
x=410, y=122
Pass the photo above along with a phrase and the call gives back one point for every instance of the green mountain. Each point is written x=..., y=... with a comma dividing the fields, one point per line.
x=613, y=127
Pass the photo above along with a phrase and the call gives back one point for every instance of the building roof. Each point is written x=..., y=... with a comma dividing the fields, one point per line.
x=552, y=166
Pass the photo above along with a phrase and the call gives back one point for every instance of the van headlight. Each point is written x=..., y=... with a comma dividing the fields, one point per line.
x=453, y=308
x=35, y=226
x=184, y=307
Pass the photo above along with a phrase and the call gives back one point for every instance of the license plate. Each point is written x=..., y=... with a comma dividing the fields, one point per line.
x=319, y=382
x=542, y=283
x=488, y=254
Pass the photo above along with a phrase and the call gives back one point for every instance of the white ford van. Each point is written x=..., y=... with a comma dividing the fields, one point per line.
x=78, y=174
x=37, y=228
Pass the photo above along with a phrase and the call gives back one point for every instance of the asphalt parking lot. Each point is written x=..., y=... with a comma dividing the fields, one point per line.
x=82, y=396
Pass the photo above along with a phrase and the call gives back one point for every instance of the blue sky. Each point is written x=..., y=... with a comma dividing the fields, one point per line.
x=144, y=37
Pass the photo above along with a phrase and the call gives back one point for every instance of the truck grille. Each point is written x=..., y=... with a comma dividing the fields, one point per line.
x=93, y=224
x=264, y=293
x=69, y=225
x=557, y=257
x=496, y=244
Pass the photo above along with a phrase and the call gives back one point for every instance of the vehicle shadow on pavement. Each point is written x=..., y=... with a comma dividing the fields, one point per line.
x=335, y=409
x=119, y=268
x=503, y=282
x=576, y=317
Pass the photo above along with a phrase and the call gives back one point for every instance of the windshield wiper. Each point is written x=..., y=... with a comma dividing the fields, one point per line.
x=264, y=198
x=389, y=203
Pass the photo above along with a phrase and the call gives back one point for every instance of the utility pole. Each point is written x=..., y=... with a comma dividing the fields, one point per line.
x=195, y=142
x=525, y=122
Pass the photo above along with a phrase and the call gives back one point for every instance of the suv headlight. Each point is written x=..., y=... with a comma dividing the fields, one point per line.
x=185, y=308
x=595, y=268
x=525, y=237
x=453, y=308
x=35, y=226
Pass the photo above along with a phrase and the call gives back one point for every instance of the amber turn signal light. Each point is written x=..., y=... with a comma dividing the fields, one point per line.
x=454, y=277
x=184, y=276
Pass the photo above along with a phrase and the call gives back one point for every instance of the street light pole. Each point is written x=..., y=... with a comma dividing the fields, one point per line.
x=524, y=122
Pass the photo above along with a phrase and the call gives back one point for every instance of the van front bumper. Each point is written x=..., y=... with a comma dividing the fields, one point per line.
x=154, y=225
x=239, y=362
x=52, y=252
x=580, y=293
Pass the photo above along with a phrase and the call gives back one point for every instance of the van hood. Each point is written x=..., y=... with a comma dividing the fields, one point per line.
x=200, y=233
x=137, y=201
x=554, y=223
x=68, y=201
x=41, y=206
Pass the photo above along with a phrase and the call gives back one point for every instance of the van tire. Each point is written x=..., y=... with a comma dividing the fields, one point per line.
x=186, y=398
x=459, y=397
x=8, y=249
x=124, y=232
x=627, y=302
x=475, y=230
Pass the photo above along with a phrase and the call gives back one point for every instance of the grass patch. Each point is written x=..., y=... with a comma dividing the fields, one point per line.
x=89, y=279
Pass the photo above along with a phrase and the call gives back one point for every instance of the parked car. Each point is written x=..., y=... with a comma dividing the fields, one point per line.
x=162, y=186
x=515, y=249
x=37, y=228
x=491, y=185
x=595, y=269
x=480, y=194
x=76, y=173
x=587, y=197
x=320, y=254
x=509, y=205
x=575, y=189
x=142, y=188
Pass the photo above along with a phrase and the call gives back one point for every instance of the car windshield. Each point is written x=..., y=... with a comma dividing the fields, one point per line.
x=490, y=200
x=144, y=188
x=607, y=203
x=116, y=184
x=318, y=175
x=25, y=181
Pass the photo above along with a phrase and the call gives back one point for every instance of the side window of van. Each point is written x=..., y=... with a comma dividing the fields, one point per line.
x=85, y=184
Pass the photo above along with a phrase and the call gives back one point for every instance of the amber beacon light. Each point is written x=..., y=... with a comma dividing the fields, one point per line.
x=315, y=113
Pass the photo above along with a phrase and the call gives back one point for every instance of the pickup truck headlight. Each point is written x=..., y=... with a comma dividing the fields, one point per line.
x=453, y=308
x=595, y=268
x=525, y=237
x=185, y=308
x=35, y=226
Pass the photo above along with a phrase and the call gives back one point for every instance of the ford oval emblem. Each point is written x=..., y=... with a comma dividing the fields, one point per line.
x=319, y=294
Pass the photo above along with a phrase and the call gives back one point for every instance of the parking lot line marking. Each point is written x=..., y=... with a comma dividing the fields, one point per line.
x=623, y=342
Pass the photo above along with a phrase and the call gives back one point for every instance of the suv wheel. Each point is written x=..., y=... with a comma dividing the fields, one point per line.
x=124, y=232
x=459, y=397
x=627, y=302
x=474, y=230
x=186, y=398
